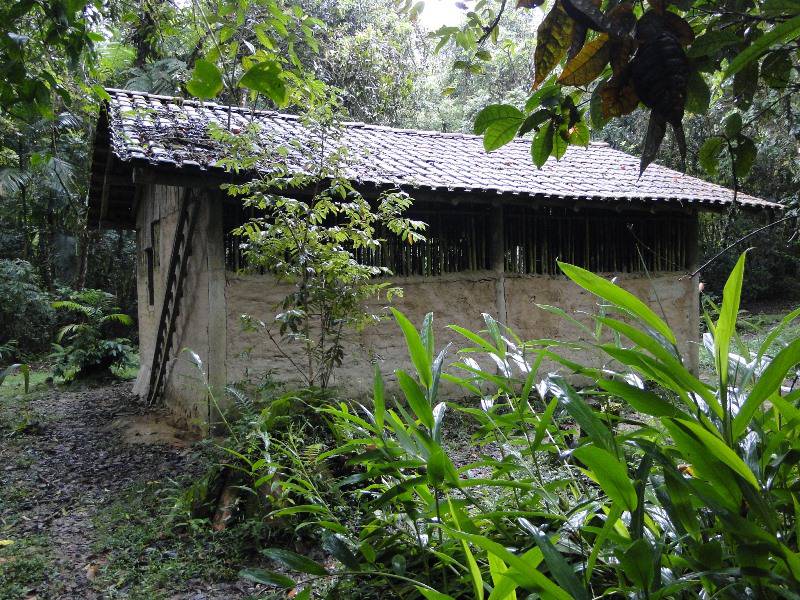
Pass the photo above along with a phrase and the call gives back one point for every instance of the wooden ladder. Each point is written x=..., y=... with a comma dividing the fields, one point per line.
x=173, y=293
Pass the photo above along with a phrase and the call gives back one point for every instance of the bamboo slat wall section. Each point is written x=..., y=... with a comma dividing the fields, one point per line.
x=603, y=242
x=458, y=239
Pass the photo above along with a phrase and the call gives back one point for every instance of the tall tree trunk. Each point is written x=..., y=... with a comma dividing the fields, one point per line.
x=86, y=239
x=46, y=248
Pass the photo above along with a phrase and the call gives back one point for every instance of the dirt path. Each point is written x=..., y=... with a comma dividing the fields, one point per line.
x=78, y=452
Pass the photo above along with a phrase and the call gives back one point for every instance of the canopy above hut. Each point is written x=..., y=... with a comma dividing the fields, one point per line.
x=142, y=133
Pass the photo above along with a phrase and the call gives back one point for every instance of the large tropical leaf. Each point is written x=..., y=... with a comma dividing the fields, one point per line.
x=553, y=38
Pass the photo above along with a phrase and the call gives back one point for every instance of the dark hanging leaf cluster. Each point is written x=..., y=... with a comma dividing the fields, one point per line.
x=595, y=60
x=646, y=54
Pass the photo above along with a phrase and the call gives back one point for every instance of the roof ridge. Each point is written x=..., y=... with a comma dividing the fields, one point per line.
x=349, y=124
x=282, y=115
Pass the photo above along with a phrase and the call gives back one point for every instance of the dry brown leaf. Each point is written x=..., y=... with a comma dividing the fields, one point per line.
x=618, y=97
x=621, y=20
x=679, y=27
x=552, y=40
x=620, y=51
x=588, y=64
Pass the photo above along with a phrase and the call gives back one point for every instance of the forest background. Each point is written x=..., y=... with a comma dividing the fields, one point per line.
x=393, y=64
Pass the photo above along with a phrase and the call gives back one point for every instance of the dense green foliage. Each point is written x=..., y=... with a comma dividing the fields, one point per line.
x=90, y=345
x=388, y=70
x=313, y=244
x=648, y=483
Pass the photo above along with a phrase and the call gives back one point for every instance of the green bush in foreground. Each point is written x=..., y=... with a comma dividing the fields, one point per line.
x=689, y=491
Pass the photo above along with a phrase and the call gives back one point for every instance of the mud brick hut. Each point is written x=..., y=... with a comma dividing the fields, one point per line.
x=496, y=227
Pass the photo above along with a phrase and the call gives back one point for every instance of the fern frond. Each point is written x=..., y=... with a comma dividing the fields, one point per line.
x=120, y=318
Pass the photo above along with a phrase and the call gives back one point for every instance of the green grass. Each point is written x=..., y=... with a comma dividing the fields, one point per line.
x=150, y=551
x=23, y=566
x=14, y=385
x=129, y=371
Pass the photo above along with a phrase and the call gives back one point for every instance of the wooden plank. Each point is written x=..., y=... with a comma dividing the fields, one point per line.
x=217, y=308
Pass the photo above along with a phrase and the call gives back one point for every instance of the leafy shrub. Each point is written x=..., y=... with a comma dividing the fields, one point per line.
x=688, y=491
x=25, y=312
x=90, y=344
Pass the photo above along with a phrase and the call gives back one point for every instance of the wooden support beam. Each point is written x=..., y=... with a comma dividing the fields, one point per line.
x=217, y=310
x=498, y=254
x=106, y=188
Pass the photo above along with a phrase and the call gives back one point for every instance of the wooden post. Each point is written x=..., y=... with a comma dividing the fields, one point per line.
x=498, y=260
x=693, y=255
x=217, y=309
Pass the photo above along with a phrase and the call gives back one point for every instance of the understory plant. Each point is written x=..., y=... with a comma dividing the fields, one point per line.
x=90, y=345
x=647, y=483
x=313, y=231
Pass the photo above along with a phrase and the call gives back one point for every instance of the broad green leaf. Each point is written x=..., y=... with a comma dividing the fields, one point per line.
x=416, y=348
x=779, y=34
x=521, y=568
x=266, y=78
x=704, y=464
x=744, y=155
x=560, y=569
x=474, y=338
x=499, y=124
x=713, y=41
x=610, y=474
x=776, y=69
x=542, y=145
x=504, y=587
x=698, y=94
x=614, y=513
x=534, y=120
x=642, y=401
x=295, y=561
x=560, y=142
x=206, y=80
x=432, y=594
x=732, y=125
x=426, y=335
x=768, y=383
x=599, y=120
x=577, y=407
x=721, y=451
x=378, y=397
x=726, y=324
x=617, y=296
x=544, y=420
x=441, y=468
x=709, y=154
x=637, y=563
x=267, y=578
x=580, y=135
x=416, y=398
x=335, y=544
x=474, y=571
x=677, y=500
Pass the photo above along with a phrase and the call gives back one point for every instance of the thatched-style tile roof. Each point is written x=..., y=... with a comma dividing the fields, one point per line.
x=169, y=133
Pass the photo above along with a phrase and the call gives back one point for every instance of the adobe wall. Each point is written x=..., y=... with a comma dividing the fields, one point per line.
x=185, y=391
x=454, y=299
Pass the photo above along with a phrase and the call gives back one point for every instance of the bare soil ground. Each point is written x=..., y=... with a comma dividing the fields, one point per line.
x=66, y=457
